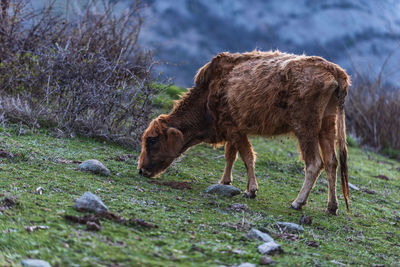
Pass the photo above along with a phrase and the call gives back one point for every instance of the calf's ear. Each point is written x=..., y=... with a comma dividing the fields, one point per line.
x=174, y=138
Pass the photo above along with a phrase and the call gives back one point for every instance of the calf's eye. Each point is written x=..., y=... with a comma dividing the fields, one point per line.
x=151, y=140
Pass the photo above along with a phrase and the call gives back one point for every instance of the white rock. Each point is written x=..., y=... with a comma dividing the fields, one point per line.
x=35, y=263
x=90, y=202
x=255, y=233
x=269, y=248
x=94, y=166
x=223, y=190
x=352, y=186
x=337, y=263
x=247, y=264
x=290, y=227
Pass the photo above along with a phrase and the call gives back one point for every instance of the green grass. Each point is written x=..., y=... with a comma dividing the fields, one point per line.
x=193, y=229
x=164, y=100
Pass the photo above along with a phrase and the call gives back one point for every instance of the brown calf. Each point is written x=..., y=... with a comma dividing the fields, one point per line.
x=258, y=93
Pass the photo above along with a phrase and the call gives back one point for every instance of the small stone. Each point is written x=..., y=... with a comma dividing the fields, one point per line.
x=351, y=186
x=238, y=251
x=39, y=190
x=90, y=202
x=270, y=248
x=35, y=263
x=264, y=260
x=290, y=227
x=223, y=190
x=304, y=219
x=337, y=263
x=94, y=166
x=35, y=228
x=257, y=234
x=247, y=264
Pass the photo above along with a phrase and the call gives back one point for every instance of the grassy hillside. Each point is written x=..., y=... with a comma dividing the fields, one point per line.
x=194, y=229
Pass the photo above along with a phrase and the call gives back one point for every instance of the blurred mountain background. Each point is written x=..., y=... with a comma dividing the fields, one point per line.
x=363, y=36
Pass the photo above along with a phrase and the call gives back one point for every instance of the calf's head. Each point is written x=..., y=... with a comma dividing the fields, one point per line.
x=161, y=144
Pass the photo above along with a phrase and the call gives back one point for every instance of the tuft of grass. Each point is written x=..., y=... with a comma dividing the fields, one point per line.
x=167, y=95
x=391, y=153
x=194, y=229
x=351, y=141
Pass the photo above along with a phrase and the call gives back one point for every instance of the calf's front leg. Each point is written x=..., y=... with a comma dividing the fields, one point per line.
x=248, y=156
x=230, y=158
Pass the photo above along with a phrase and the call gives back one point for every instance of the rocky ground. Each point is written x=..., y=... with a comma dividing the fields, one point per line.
x=47, y=214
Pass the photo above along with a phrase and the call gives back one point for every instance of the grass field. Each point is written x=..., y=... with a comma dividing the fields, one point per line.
x=194, y=229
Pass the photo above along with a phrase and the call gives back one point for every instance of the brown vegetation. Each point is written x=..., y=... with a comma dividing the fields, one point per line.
x=258, y=93
x=373, y=113
x=80, y=73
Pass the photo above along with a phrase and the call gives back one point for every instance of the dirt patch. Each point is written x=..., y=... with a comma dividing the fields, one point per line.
x=92, y=226
x=111, y=216
x=124, y=157
x=312, y=243
x=368, y=191
x=382, y=177
x=8, y=202
x=238, y=207
x=287, y=236
x=92, y=221
x=5, y=154
x=67, y=161
x=83, y=219
x=173, y=184
x=142, y=223
x=304, y=219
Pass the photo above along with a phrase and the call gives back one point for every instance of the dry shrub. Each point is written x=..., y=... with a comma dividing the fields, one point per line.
x=373, y=113
x=80, y=73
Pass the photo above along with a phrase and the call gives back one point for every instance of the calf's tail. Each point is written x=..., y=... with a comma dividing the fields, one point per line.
x=341, y=127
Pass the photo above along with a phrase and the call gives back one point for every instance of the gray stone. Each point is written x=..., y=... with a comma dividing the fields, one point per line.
x=290, y=227
x=238, y=251
x=90, y=202
x=247, y=264
x=94, y=166
x=223, y=190
x=257, y=234
x=35, y=263
x=269, y=248
x=337, y=263
x=352, y=186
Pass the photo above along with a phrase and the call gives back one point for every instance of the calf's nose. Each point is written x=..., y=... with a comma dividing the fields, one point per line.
x=141, y=171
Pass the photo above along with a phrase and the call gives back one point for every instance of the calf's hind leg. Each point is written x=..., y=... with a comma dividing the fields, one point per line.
x=327, y=137
x=230, y=157
x=313, y=166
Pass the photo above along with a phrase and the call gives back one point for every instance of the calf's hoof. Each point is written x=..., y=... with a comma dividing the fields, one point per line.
x=250, y=194
x=296, y=206
x=332, y=209
x=226, y=182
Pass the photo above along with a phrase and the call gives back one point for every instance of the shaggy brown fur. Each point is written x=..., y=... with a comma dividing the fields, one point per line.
x=258, y=93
